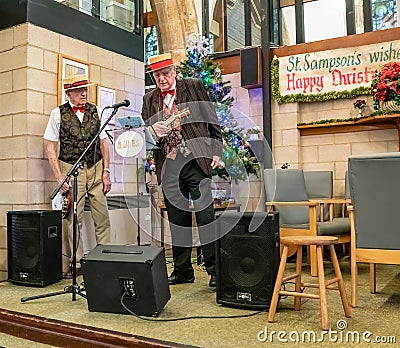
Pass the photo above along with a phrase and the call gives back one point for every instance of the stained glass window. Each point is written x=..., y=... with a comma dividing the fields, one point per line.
x=384, y=14
x=151, y=44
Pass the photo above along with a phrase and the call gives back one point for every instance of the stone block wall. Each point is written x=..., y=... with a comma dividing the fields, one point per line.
x=28, y=92
x=325, y=151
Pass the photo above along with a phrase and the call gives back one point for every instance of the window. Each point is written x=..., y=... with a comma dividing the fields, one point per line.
x=151, y=43
x=276, y=27
x=323, y=19
x=255, y=13
x=235, y=24
x=124, y=14
x=384, y=14
x=288, y=26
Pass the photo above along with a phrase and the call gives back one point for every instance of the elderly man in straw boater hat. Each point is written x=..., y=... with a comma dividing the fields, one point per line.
x=70, y=129
x=188, y=151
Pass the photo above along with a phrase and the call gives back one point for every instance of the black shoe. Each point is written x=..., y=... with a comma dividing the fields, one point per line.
x=66, y=275
x=213, y=282
x=174, y=279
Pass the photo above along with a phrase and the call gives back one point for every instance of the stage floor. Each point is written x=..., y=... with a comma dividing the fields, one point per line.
x=377, y=313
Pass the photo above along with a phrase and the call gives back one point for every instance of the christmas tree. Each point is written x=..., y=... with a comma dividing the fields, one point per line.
x=237, y=157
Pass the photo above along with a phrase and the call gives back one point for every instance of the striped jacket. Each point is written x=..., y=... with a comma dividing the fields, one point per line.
x=200, y=130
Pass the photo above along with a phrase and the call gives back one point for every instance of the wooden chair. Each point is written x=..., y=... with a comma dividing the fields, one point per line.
x=286, y=192
x=374, y=214
x=318, y=242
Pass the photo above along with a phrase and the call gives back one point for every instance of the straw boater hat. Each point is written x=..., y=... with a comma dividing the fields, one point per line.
x=76, y=81
x=161, y=61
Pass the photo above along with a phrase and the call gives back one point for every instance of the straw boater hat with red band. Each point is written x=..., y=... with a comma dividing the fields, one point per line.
x=76, y=81
x=161, y=61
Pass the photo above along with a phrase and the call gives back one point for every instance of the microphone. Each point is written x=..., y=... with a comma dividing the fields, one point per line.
x=125, y=103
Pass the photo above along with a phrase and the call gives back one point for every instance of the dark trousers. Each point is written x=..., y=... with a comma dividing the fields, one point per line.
x=182, y=177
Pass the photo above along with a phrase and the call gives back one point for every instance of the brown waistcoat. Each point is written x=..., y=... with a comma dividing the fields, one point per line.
x=76, y=136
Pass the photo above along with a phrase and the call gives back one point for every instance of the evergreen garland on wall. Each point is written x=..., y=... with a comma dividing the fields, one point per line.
x=307, y=98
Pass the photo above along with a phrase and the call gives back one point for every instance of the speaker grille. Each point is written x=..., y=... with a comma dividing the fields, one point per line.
x=247, y=262
x=242, y=264
x=25, y=241
x=34, y=247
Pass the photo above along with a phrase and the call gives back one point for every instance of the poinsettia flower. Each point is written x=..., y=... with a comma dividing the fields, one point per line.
x=386, y=84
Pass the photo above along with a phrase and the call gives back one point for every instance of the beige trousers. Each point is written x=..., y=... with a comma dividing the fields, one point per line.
x=89, y=182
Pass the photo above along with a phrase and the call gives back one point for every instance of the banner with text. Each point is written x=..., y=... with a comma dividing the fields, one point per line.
x=334, y=70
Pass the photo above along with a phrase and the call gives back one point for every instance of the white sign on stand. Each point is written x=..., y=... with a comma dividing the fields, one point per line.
x=130, y=143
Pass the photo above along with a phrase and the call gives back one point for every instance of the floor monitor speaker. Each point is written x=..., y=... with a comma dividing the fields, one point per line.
x=247, y=258
x=137, y=275
x=34, y=247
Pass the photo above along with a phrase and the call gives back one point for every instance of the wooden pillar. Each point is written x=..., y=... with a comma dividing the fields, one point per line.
x=175, y=19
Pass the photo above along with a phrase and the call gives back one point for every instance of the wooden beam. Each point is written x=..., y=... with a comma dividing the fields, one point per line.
x=340, y=42
x=229, y=65
x=148, y=19
x=64, y=334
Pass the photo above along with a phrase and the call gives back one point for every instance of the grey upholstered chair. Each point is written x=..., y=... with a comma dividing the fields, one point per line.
x=374, y=214
x=319, y=184
x=286, y=191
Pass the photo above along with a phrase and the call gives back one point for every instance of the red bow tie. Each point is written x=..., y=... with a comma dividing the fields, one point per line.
x=164, y=93
x=80, y=108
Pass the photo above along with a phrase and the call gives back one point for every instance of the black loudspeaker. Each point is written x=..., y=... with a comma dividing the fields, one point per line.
x=247, y=258
x=137, y=274
x=34, y=247
x=251, y=67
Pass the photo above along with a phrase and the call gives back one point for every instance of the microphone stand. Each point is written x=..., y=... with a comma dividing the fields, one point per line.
x=74, y=289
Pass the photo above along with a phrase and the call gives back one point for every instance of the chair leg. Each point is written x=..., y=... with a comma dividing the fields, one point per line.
x=278, y=283
x=322, y=289
x=299, y=260
x=354, y=279
x=338, y=273
x=372, y=278
x=313, y=261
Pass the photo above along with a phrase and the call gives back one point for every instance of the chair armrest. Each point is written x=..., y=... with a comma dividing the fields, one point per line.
x=300, y=203
x=331, y=202
x=312, y=208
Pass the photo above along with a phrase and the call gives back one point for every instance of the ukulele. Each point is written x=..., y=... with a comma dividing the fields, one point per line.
x=169, y=122
x=66, y=205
